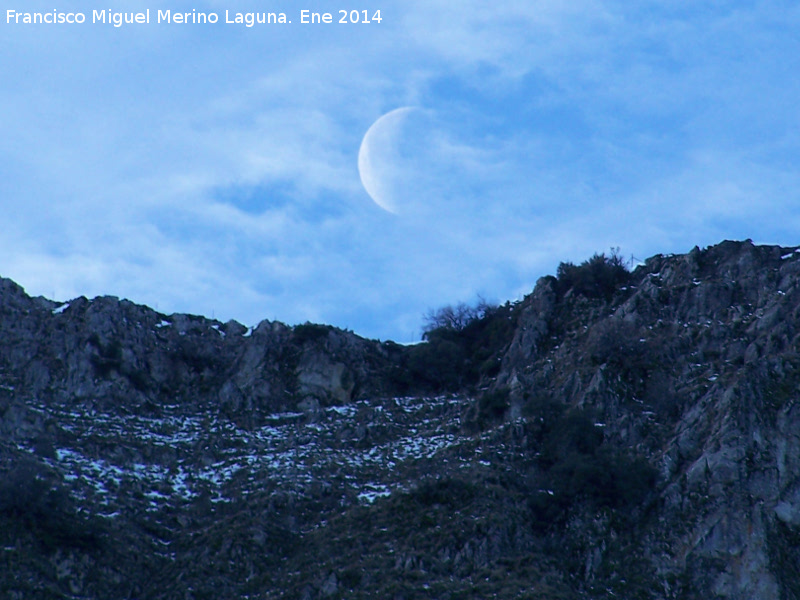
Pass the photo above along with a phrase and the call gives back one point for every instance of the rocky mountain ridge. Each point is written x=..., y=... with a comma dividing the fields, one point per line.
x=613, y=434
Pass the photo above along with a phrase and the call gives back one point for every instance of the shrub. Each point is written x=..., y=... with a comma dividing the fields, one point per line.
x=543, y=411
x=616, y=341
x=603, y=480
x=449, y=492
x=783, y=545
x=494, y=405
x=576, y=467
x=598, y=277
x=350, y=578
x=32, y=497
x=489, y=408
x=27, y=489
x=438, y=365
x=571, y=432
x=454, y=318
x=309, y=332
x=462, y=344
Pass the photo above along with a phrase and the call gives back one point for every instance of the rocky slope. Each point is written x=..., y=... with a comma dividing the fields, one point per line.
x=695, y=366
x=614, y=434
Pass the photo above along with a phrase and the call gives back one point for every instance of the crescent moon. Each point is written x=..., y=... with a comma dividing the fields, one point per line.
x=373, y=162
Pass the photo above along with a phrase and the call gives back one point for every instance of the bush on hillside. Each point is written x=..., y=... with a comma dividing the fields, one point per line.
x=598, y=277
x=33, y=498
x=576, y=467
x=444, y=491
x=438, y=365
x=461, y=345
x=310, y=332
x=489, y=409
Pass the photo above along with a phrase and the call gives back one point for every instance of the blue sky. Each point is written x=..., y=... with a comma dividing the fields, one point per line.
x=213, y=169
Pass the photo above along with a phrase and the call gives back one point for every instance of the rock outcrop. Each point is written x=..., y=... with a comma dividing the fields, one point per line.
x=110, y=352
x=694, y=364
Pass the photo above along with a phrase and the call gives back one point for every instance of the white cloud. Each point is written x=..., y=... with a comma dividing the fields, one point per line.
x=215, y=168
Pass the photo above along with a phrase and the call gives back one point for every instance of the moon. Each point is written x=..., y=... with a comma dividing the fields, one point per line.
x=377, y=158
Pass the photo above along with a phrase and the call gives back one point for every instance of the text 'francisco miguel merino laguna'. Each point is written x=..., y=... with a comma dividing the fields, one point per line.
x=118, y=19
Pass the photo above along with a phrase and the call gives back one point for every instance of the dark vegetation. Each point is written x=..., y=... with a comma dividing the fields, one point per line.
x=33, y=500
x=310, y=332
x=491, y=408
x=498, y=529
x=577, y=468
x=107, y=357
x=784, y=551
x=598, y=277
x=569, y=461
x=462, y=344
x=443, y=491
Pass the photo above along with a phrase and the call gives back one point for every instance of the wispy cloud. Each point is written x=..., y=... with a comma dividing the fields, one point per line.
x=214, y=168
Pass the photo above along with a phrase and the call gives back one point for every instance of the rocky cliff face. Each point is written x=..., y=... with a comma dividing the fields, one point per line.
x=695, y=365
x=640, y=442
x=130, y=357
